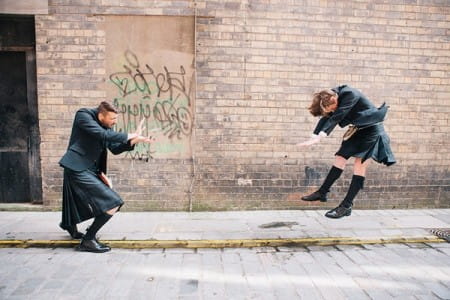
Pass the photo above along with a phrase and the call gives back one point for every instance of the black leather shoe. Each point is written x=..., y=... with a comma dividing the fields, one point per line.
x=339, y=212
x=73, y=231
x=315, y=196
x=100, y=243
x=92, y=246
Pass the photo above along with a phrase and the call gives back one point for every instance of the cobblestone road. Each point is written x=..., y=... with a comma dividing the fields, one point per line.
x=391, y=271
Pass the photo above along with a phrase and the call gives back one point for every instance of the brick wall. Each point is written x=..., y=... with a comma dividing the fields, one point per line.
x=258, y=62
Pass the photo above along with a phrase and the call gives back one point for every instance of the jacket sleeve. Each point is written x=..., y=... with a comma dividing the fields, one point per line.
x=117, y=148
x=320, y=124
x=87, y=124
x=347, y=100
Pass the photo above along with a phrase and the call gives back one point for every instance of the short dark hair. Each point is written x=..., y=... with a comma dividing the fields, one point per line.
x=105, y=107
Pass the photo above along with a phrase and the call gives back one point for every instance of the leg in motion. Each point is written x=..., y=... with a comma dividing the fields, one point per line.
x=89, y=242
x=333, y=175
x=72, y=230
x=357, y=183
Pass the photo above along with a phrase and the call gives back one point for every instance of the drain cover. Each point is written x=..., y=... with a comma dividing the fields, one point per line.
x=442, y=233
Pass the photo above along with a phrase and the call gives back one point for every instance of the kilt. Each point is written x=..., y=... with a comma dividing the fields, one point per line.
x=85, y=196
x=371, y=142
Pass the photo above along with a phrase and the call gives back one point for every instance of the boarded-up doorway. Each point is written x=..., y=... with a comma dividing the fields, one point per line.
x=20, y=178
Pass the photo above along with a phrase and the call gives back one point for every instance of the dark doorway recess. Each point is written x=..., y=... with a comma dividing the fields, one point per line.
x=20, y=171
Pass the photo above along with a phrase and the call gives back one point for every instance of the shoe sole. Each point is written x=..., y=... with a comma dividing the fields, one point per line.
x=78, y=248
x=321, y=200
x=346, y=215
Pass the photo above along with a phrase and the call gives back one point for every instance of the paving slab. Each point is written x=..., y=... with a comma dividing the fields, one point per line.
x=29, y=226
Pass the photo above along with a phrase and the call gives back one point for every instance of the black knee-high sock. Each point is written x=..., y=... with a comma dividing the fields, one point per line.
x=98, y=223
x=332, y=176
x=73, y=230
x=356, y=184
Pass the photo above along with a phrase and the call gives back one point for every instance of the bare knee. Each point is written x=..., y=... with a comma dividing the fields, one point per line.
x=112, y=211
x=339, y=162
x=360, y=167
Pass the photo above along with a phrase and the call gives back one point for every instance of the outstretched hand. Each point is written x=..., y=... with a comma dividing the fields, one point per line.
x=140, y=139
x=313, y=140
x=140, y=128
x=146, y=139
x=138, y=132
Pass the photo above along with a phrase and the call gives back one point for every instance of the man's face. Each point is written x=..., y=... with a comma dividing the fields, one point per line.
x=108, y=119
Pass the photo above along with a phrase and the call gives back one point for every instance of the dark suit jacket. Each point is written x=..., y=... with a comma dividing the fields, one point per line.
x=353, y=108
x=89, y=142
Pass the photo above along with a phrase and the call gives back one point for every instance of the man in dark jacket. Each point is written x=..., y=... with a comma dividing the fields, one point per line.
x=87, y=192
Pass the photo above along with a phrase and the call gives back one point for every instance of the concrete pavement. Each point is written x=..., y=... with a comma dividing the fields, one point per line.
x=379, y=272
x=279, y=255
x=231, y=229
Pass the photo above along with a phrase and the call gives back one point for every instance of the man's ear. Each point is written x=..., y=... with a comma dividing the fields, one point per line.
x=101, y=117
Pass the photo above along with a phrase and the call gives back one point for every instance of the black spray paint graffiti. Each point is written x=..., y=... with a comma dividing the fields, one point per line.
x=130, y=116
x=163, y=99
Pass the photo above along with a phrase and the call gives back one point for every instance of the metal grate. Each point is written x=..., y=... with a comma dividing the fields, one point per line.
x=442, y=233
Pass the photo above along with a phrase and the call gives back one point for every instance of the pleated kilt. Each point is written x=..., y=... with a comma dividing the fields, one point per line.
x=372, y=142
x=85, y=196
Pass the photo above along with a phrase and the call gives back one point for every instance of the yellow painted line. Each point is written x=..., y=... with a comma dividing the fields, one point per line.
x=37, y=243
x=237, y=243
x=11, y=243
